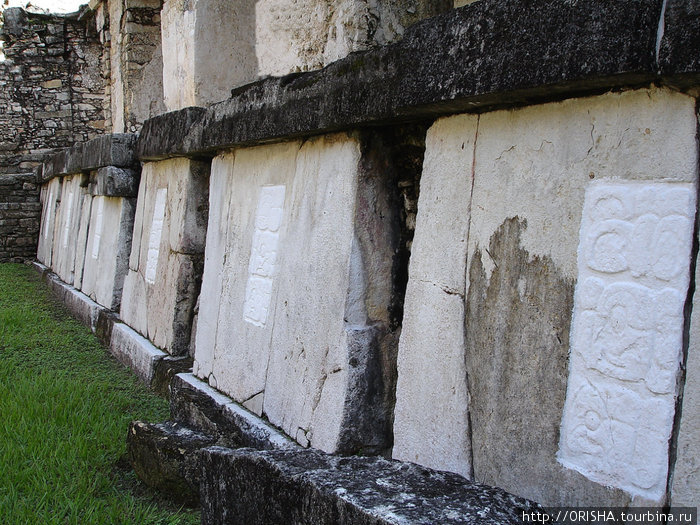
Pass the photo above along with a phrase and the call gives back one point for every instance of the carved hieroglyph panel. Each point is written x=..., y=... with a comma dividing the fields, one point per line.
x=155, y=235
x=626, y=341
x=263, y=254
x=99, y=225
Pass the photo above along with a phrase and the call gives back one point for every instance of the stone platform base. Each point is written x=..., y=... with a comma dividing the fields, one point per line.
x=153, y=366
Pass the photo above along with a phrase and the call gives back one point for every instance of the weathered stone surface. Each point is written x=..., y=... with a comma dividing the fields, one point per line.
x=685, y=489
x=309, y=229
x=307, y=487
x=163, y=455
x=116, y=182
x=487, y=54
x=50, y=196
x=116, y=150
x=530, y=173
x=678, y=49
x=65, y=249
x=107, y=249
x=431, y=425
x=165, y=265
x=135, y=351
x=197, y=405
x=20, y=217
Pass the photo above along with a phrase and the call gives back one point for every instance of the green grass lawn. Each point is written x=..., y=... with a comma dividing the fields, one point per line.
x=65, y=405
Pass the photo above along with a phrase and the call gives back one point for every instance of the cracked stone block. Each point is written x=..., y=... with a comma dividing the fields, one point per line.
x=162, y=284
x=431, y=424
x=252, y=487
x=300, y=250
x=529, y=176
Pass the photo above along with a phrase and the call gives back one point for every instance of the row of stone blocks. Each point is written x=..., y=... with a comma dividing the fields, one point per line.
x=300, y=288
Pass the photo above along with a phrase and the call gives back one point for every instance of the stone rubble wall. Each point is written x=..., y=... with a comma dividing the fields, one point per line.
x=51, y=90
x=20, y=214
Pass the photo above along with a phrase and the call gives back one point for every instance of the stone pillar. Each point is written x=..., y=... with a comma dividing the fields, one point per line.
x=165, y=265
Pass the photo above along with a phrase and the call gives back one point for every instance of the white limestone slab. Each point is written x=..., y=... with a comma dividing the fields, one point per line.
x=135, y=351
x=156, y=232
x=50, y=193
x=627, y=333
x=68, y=218
x=432, y=402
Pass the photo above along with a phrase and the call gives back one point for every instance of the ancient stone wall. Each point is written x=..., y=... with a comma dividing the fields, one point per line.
x=51, y=88
x=20, y=213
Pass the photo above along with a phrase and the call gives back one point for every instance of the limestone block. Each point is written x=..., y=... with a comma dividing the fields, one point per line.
x=116, y=182
x=302, y=324
x=431, y=424
x=81, y=241
x=107, y=251
x=531, y=171
x=200, y=36
x=303, y=35
x=65, y=243
x=135, y=351
x=50, y=196
x=162, y=284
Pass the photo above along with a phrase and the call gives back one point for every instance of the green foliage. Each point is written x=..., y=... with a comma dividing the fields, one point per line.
x=65, y=405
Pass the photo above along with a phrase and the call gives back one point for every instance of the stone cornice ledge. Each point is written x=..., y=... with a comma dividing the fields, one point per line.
x=490, y=54
x=117, y=150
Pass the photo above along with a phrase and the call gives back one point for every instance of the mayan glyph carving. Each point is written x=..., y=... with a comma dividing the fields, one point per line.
x=263, y=254
x=627, y=334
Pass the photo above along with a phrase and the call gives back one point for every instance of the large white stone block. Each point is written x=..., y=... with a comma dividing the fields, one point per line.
x=302, y=314
x=161, y=286
x=200, y=36
x=431, y=424
x=531, y=171
x=65, y=243
x=107, y=249
x=50, y=196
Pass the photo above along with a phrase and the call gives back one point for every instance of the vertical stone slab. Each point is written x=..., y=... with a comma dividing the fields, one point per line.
x=50, y=196
x=66, y=242
x=533, y=168
x=162, y=284
x=304, y=271
x=431, y=425
x=81, y=241
x=107, y=250
x=627, y=336
x=233, y=353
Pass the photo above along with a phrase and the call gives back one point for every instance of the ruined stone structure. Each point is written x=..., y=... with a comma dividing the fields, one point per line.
x=471, y=245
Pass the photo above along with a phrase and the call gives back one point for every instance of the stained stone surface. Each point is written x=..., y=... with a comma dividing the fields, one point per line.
x=589, y=47
x=530, y=174
x=162, y=284
x=303, y=269
x=307, y=487
x=66, y=249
